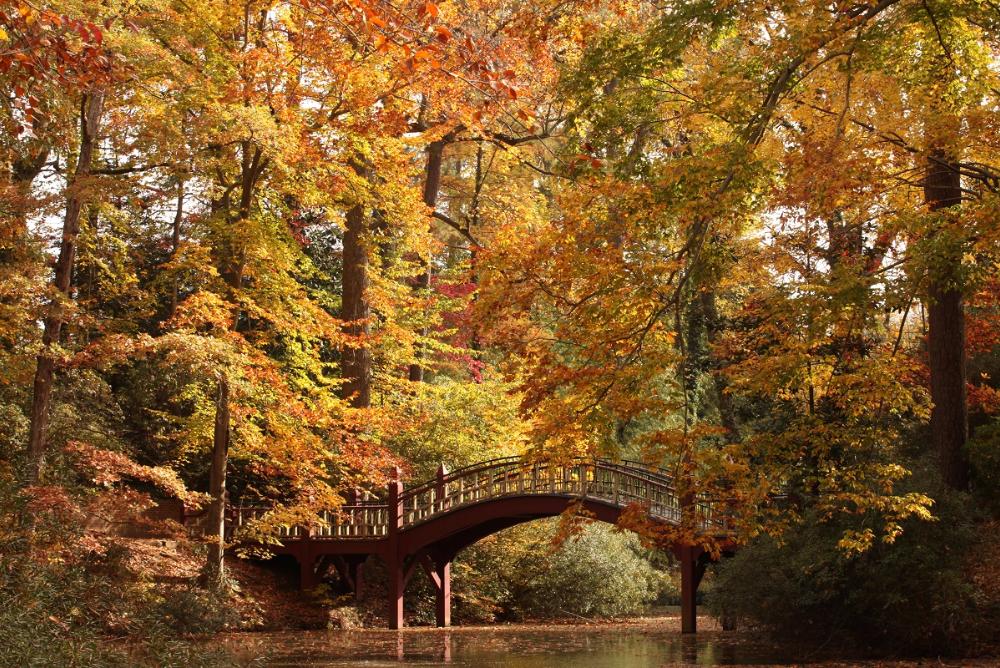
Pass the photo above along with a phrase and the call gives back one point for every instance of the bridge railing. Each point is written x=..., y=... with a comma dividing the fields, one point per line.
x=617, y=483
x=349, y=521
x=241, y=516
x=355, y=521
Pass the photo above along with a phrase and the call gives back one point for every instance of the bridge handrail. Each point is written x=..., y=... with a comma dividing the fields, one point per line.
x=635, y=467
x=364, y=521
x=654, y=487
x=629, y=482
x=468, y=468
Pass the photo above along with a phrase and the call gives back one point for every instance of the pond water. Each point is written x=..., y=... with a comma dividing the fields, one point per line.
x=630, y=645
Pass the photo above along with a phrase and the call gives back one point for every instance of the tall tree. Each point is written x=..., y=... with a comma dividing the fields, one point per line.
x=215, y=574
x=77, y=198
x=946, y=330
x=356, y=358
x=432, y=186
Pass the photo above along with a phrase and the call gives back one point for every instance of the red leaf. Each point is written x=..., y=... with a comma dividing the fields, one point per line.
x=442, y=34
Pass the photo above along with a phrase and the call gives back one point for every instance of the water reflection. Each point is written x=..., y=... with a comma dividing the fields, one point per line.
x=510, y=647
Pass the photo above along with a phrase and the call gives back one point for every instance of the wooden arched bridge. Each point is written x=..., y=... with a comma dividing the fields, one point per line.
x=429, y=524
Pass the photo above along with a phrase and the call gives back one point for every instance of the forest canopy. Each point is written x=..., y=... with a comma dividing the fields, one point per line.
x=266, y=251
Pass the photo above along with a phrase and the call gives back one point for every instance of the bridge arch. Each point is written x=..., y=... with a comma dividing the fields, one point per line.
x=427, y=525
x=469, y=524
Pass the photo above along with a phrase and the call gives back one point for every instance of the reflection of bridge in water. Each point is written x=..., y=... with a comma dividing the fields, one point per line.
x=429, y=524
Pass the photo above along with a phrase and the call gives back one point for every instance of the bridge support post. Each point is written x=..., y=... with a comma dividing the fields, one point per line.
x=359, y=580
x=437, y=565
x=306, y=556
x=689, y=592
x=692, y=570
x=394, y=560
x=308, y=578
x=442, y=563
x=442, y=582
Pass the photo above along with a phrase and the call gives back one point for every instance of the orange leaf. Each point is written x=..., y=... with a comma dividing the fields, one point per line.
x=442, y=33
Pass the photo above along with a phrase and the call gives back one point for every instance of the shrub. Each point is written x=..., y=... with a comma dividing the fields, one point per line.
x=195, y=610
x=516, y=574
x=41, y=622
x=600, y=573
x=908, y=596
x=62, y=604
x=984, y=456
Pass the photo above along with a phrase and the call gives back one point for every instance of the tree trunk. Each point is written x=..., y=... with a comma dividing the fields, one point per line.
x=356, y=360
x=714, y=329
x=946, y=336
x=251, y=169
x=175, y=244
x=215, y=567
x=91, y=108
x=432, y=186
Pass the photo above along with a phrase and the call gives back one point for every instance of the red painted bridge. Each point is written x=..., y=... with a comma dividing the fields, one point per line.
x=429, y=524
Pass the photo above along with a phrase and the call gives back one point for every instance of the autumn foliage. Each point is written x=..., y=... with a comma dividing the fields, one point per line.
x=755, y=244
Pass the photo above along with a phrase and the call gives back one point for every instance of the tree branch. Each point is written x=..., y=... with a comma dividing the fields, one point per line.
x=452, y=223
x=128, y=169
